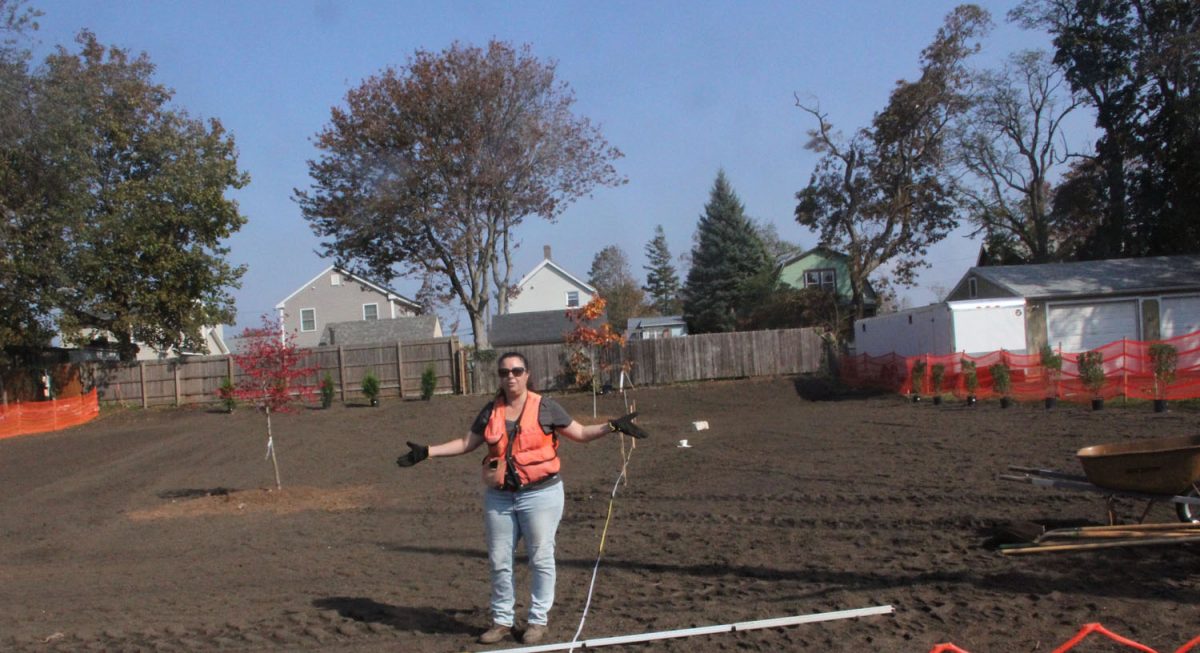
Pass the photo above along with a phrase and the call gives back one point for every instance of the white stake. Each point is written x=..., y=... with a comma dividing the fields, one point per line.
x=705, y=630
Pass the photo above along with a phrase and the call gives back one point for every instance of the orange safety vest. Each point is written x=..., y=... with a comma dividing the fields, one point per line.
x=531, y=457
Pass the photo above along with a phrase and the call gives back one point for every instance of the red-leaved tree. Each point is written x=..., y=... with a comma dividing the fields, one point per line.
x=273, y=375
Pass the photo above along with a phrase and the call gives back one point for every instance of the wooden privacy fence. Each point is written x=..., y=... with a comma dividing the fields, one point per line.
x=398, y=365
x=675, y=360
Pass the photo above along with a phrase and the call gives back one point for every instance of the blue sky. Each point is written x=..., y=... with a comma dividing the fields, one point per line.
x=682, y=88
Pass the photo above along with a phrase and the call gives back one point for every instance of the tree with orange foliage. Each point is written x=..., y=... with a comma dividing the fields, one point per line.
x=585, y=341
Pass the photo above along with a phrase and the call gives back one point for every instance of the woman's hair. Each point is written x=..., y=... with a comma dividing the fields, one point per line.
x=524, y=363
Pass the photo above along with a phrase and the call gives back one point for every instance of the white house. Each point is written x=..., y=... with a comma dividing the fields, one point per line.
x=971, y=327
x=1082, y=305
x=654, y=327
x=550, y=287
x=335, y=295
x=1073, y=307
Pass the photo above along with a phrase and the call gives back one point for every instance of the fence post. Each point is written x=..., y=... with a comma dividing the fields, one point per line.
x=1124, y=372
x=142, y=379
x=177, y=388
x=399, y=369
x=342, y=372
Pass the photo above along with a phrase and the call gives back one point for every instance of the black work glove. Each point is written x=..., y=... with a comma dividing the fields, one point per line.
x=625, y=425
x=417, y=453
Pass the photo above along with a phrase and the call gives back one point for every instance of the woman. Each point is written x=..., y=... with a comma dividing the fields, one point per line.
x=523, y=495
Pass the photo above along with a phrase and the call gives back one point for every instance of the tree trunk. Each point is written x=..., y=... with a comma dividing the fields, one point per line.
x=271, y=450
x=479, y=330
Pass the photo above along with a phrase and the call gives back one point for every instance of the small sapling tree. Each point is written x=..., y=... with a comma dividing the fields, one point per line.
x=1001, y=382
x=370, y=387
x=428, y=382
x=937, y=373
x=226, y=393
x=327, y=390
x=1163, y=359
x=970, y=380
x=273, y=375
x=584, y=343
x=918, y=378
x=1052, y=368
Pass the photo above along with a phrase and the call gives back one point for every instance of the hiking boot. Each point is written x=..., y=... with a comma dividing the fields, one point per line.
x=534, y=633
x=495, y=634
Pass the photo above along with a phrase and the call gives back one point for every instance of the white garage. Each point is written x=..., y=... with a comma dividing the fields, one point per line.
x=1082, y=305
x=1179, y=315
x=1087, y=325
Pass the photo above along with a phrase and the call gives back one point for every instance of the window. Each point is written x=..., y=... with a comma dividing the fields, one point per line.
x=825, y=279
x=572, y=299
x=370, y=311
x=972, y=288
x=335, y=279
x=308, y=319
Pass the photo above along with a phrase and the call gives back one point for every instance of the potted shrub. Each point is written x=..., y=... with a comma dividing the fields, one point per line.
x=327, y=390
x=226, y=393
x=937, y=373
x=1002, y=383
x=1052, y=368
x=370, y=387
x=970, y=380
x=918, y=379
x=1163, y=359
x=428, y=382
x=1091, y=375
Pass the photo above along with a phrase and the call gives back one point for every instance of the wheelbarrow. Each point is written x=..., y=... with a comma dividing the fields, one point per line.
x=1151, y=469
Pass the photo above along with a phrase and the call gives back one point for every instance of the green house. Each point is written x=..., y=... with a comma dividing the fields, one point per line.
x=821, y=267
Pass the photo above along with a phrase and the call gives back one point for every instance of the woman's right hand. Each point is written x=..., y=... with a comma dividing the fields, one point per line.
x=417, y=453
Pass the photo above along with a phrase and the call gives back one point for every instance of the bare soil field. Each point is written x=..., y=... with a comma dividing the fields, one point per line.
x=154, y=530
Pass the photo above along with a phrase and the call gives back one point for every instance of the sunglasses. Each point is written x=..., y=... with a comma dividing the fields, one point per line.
x=516, y=372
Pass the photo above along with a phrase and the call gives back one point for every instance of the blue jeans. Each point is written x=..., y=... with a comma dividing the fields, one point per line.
x=534, y=515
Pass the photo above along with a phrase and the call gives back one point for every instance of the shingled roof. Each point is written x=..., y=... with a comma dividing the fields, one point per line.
x=368, y=332
x=534, y=328
x=1106, y=277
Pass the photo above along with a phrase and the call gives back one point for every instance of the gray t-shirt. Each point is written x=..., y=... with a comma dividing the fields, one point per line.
x=550, y=416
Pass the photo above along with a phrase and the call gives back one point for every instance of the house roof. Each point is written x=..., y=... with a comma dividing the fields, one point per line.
x=547, y=263
x=392, y=295
x=534, y=328
x=809, y=252
x=653, y=321
x=1111, y=276
x=366, y=332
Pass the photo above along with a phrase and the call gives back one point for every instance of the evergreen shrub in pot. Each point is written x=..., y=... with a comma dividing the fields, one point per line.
x=1163, y=360
x=1091, y=375
x=1002, y=383
x=918, y=379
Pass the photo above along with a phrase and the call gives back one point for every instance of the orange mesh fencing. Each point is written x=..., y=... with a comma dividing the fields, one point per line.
x=1084, y=633
x=24, y=418
x=1127, y=366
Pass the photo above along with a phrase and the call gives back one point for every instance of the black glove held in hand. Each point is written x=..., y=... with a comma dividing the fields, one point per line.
x=625, y=425
x=418, y=453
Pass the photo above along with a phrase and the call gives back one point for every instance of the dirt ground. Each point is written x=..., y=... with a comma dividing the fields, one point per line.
x=153, y=530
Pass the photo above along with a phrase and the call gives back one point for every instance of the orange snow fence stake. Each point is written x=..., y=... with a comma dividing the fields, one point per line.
x=947, y=648
x=41, y=416
x=1088, y=629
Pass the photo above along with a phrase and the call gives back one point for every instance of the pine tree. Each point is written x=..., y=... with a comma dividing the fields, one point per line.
x=729, y=264
x=662, y=281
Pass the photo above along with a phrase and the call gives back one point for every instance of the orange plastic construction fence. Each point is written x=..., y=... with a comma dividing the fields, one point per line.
x=1128, y=372
x=40, y=416
x=1084, y=633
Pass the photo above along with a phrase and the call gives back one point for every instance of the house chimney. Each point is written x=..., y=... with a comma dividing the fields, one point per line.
x=546, y=251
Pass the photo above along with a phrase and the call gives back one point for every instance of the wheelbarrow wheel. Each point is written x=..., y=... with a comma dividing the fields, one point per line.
x=1187, y=512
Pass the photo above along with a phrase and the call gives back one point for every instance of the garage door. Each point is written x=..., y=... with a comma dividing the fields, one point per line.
x=1179, y=316
x=1083, y=327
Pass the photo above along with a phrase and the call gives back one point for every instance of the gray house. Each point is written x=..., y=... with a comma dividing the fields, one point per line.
x=534, y=328
x=1083, y=305
x=419, y=327
x=335, y=295
x=653, y=327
